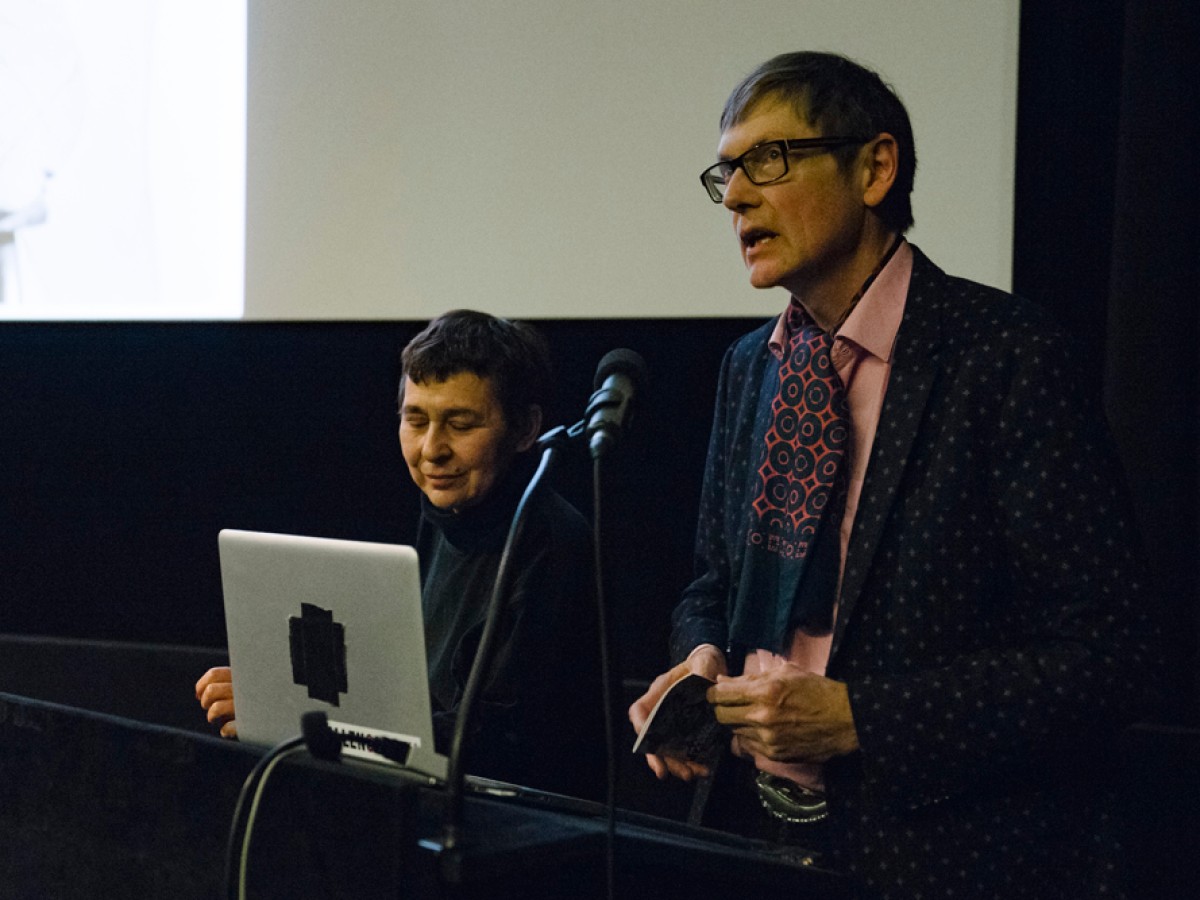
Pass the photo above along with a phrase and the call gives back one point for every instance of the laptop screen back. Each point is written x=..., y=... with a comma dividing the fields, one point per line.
x=329, y=625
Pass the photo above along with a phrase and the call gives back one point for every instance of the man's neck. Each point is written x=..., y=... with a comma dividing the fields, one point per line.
x=830, y=299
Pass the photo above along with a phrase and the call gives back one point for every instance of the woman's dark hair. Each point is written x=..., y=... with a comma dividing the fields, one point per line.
x=513, y=356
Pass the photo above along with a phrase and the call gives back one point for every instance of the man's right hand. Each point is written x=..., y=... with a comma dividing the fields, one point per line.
x=706, y=660
x=214, y=690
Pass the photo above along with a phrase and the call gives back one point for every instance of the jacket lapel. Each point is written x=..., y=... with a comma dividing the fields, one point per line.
x=914, y=371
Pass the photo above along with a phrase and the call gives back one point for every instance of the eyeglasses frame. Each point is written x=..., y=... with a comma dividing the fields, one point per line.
x=788, y=146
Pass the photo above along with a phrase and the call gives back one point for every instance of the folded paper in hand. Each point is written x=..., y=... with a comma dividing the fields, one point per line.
x=683, y=724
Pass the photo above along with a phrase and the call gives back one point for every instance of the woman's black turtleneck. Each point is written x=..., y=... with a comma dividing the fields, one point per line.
x=460, y=554
x=540, y=720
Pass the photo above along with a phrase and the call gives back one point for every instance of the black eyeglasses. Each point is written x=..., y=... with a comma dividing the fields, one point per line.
x=765, y=162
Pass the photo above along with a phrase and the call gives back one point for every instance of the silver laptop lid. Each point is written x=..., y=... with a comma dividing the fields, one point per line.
x=330, y=625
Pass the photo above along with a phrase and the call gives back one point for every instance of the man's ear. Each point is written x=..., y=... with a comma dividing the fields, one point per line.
x=528, y=434
x=879, y=171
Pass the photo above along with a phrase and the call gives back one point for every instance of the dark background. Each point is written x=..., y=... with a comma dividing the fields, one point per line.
x=125, y=447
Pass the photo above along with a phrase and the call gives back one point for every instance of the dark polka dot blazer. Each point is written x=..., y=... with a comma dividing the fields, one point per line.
x=995, y=628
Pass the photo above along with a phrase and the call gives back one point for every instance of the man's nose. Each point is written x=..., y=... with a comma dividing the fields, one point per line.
x=740, y=191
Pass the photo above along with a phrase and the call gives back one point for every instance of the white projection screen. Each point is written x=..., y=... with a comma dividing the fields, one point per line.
x=539, y=158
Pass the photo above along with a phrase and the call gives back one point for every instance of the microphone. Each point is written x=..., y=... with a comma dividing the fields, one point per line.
x=620, y=375
x=320, y=738
x=325, y=741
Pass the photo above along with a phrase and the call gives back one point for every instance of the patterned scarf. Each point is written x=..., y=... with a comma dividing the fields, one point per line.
x=790, y=569
x=792, y=561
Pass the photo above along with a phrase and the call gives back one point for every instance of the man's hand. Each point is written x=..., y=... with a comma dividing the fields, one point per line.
x=214, y=690
x=707, y=661
x=786, y=714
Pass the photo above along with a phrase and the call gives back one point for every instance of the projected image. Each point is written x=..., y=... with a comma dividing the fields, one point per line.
x=122, y=135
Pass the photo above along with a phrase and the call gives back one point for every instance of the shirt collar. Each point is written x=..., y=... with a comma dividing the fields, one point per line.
x=873, y=323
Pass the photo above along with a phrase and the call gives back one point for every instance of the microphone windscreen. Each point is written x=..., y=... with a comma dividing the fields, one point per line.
x=627, y=362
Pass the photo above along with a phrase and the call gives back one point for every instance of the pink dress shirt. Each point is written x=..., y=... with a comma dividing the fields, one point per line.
x=862, y=356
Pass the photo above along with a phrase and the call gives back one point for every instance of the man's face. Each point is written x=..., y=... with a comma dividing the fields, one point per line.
x=455, y=439
x=800, y=232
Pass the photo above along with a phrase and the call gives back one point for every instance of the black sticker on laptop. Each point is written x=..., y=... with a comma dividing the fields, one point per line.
x=318, y=646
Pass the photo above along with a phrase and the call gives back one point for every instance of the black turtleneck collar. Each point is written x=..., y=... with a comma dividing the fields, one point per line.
x=484, y=522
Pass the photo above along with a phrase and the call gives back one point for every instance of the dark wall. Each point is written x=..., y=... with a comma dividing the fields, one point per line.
x=1107, y=238
x=126, y=446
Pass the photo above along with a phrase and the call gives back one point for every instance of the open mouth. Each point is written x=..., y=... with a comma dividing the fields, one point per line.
x=752, y=237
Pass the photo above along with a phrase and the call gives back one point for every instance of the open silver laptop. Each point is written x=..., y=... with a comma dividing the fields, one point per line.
x=330, y=625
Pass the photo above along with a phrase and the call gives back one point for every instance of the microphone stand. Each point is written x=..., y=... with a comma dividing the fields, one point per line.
x=551, y=444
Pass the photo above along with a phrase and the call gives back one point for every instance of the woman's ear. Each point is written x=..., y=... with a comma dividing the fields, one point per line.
x=530, y=430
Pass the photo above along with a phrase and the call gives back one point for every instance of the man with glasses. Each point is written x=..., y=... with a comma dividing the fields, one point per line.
x=918, y=586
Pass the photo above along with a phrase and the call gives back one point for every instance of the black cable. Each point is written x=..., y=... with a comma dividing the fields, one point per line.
x=252, y=818
x=322, y=743
x=232, y=855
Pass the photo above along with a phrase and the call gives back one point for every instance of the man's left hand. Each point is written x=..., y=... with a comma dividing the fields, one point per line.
x=786, y=714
